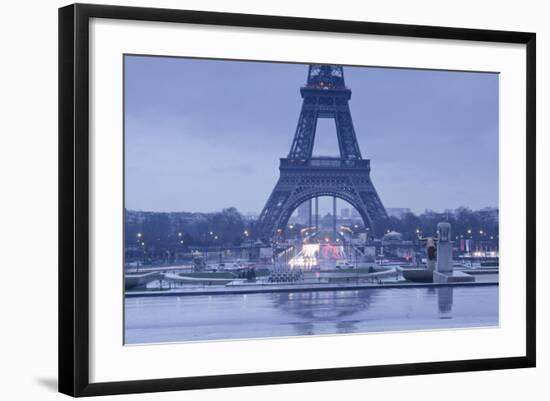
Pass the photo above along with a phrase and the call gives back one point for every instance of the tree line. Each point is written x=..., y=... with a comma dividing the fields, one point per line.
x=174, y=231
x=481, y=225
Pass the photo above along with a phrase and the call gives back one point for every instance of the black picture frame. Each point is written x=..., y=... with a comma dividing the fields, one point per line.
x=74, y=198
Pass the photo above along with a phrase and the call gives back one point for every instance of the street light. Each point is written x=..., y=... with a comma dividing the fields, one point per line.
x=144, y=253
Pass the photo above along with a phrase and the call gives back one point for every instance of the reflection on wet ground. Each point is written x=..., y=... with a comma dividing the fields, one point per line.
x=217, y=317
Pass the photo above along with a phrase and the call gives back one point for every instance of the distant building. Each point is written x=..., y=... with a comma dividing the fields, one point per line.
x=393, y=245
x=303, y=213
x=398, y=212
x=393, y=236
x=326, y=220
x=135, y=216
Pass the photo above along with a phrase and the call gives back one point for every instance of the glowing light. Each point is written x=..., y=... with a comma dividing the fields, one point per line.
x=307, y=258
x=139, y=235
x=484, y=254
x=179, y=234
x=310, y=249
x=469, y=231
x=333, y=252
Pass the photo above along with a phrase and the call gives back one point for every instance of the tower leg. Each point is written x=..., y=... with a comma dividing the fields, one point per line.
x=334, y=217
x=316, y=214
x=310, y=213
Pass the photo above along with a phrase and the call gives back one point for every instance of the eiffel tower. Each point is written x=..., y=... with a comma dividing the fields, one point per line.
x=304, y=177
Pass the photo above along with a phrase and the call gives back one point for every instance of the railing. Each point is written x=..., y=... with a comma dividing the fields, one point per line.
x=325, y=162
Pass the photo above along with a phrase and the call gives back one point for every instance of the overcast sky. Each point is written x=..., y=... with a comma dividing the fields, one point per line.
x=202, y=135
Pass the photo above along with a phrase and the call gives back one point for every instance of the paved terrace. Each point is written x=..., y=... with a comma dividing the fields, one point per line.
x=255, y=288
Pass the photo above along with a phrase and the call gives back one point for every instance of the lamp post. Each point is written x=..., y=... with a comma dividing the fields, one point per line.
x=144, y=253
x=138, y=240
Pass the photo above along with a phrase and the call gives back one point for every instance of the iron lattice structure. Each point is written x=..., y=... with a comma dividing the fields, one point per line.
x=304, y=177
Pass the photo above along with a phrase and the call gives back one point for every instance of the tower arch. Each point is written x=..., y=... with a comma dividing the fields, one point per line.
x=309, y=195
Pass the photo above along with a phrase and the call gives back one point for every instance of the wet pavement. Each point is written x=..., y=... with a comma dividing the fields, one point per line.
x=238, y=316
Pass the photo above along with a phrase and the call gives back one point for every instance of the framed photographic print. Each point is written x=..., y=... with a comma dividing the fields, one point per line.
x=250, y=199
